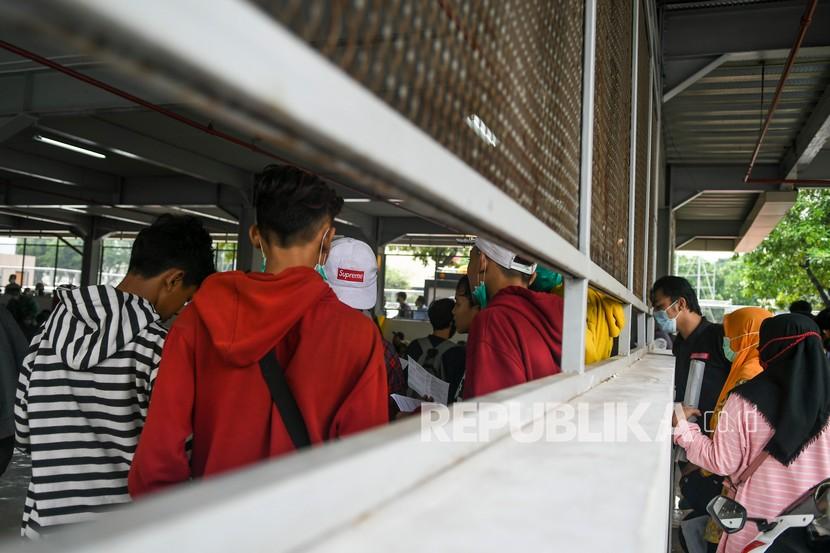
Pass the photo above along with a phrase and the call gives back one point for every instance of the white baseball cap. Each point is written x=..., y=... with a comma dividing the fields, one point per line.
x=502, y=256
x=352, y=270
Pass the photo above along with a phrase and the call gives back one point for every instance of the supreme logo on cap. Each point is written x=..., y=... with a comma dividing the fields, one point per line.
x=350, y=275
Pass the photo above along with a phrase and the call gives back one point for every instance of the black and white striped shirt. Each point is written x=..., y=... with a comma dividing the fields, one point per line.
x=82, y=400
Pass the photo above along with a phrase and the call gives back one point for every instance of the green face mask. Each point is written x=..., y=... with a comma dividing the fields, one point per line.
x=546, y=280
x=480, y=293
x=727, y=349
x=321, y=271
x=727, y=346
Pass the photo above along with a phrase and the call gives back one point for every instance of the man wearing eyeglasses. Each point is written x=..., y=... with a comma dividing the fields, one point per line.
x=677, y=311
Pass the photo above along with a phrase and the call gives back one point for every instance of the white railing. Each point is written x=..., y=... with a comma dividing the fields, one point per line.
x=233, y=62
x=390, y=489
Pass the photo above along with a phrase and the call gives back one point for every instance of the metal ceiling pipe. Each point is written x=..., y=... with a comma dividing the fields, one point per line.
x=806, y=19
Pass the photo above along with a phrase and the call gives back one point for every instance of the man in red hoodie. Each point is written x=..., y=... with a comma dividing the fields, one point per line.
x=517, y=336
x=211, y=386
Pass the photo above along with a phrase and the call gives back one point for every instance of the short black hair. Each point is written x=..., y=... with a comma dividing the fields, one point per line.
x=676, y=287
x=802, y=306
x=174, y=242
x=401, y=296
x=291, y=204
x=440, y=313
x=463, y=289
x=823, y=319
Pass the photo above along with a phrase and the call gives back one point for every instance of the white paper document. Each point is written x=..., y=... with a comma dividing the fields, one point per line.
x=427, y=384
x=406, y=404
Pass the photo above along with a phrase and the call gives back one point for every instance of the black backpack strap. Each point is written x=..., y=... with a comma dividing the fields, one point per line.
x=282, y=397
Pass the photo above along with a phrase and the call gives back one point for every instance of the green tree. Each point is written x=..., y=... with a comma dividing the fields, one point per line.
x=444, y=258
x=731, y=282
x=396, y=279
x=43, y=251
x=775, y=269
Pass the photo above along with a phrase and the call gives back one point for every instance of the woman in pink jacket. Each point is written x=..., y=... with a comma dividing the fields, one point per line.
x=779, y=418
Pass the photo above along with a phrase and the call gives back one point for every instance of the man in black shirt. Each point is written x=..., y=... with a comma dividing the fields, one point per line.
x=437, y=353
x=677, y=311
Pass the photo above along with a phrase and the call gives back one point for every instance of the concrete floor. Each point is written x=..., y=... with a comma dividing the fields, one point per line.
x=13, y=486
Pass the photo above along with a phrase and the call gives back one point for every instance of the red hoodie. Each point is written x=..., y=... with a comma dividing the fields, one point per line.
x=516, y=338
x=210, y=384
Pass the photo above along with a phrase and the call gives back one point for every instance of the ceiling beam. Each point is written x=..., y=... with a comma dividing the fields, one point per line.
x=120, y=140
x=15, y=223
x=179, y=191
x=770, y=208
x=55, y=171
x=693, y=38
x=708, y=245
x=813, y=136
x=685, y=228
x=714, y=31
x=695, y=69
x=182, y=191
x=392, y=228
x=12, y=125
x=36, y=89
x=40, y=219
x=688, y=181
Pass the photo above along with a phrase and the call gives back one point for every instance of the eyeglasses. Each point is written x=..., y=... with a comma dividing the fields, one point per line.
x=658, y=310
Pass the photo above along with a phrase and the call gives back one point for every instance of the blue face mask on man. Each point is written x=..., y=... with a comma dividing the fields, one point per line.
x=663, y=321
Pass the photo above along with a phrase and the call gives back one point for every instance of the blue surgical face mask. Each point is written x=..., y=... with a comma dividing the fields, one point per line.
x=662, y=319
x=320, y=268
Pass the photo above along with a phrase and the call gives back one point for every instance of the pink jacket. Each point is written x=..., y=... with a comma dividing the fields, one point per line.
x=740, y=437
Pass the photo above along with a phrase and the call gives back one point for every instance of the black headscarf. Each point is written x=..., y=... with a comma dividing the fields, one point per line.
x=793, y=392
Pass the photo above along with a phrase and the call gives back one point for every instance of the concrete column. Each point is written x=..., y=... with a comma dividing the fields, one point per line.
x=91, y=258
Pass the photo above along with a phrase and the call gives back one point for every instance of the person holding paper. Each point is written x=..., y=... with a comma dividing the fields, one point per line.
x=676, y=311
x=517, y=336
x=437, y=353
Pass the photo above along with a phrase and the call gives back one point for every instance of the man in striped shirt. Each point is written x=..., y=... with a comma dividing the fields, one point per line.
x=85, y=385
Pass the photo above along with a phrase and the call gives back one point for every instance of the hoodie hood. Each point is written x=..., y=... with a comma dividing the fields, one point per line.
x=246, y=314
x=541, y=309
x=92, y=323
